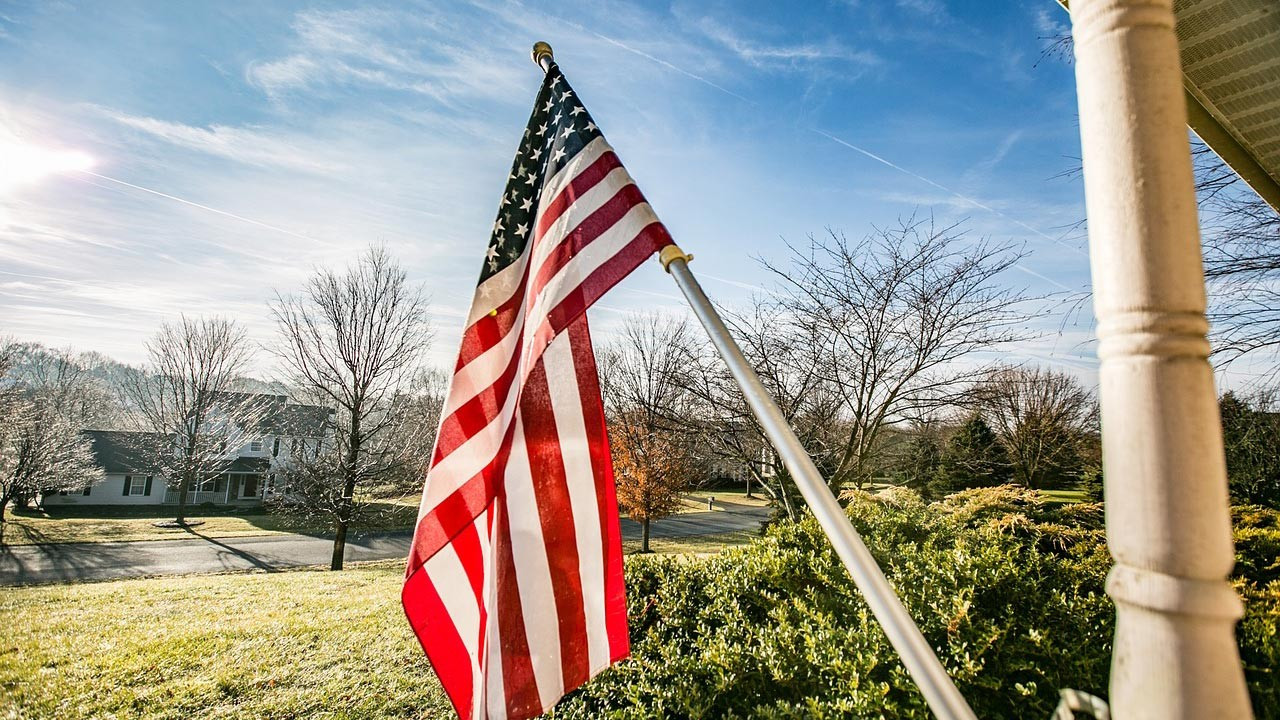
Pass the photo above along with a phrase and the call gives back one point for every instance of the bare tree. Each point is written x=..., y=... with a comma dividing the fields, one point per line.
x=185, y=397
x=1242, y=261
x=353, y=341
x=1241, y=238
x=41, y=447
x=66, y=378
x=655, y=446
x=786, y=359
x=892, y=324
x=1042, y=417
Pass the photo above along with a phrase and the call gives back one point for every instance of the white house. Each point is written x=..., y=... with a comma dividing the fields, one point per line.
x=133, y=476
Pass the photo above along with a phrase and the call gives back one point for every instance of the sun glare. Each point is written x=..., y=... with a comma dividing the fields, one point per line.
x=22, y=163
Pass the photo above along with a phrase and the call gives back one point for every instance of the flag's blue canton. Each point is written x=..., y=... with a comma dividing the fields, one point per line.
x=558, y=129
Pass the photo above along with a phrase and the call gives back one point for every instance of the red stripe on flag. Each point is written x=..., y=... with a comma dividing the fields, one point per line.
x=519, y=685
x=490, y=329
x=582, y=182
x=459, y=509
x=652, y=238
x=591, y=227
x=446, y=652
x=555, y=512
x=475, y=414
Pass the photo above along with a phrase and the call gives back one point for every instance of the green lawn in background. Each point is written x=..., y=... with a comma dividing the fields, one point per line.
x=296, y=644
x=1065, y=496
x=109, y=523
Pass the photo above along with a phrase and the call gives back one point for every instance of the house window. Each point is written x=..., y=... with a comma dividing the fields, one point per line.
x=86, y=490
x=137, y=485
x=255, y=446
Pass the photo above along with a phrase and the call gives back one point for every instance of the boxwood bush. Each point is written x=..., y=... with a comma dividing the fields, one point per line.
x=1006, y=587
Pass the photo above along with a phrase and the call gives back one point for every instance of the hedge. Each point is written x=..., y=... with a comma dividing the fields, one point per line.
x=1007, y=587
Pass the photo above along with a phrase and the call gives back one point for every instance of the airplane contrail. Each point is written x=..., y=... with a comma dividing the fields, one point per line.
x=224, y=213
x=948, y=190
x=665, y=64
x=833, y=138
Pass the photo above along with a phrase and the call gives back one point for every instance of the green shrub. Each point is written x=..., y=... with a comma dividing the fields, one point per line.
x=1007, y=587
x=777, y=630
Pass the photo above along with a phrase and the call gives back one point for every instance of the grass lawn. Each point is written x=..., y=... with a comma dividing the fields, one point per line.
x=109, y=523
x=696, y=545
x=299, y=644
x=308, y=644
x=725, y=499
x=88, y=523
x=1065, y=496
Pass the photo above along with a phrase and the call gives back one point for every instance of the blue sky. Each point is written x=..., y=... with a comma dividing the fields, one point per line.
x=261, y=139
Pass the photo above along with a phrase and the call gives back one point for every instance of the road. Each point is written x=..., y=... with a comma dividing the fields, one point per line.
x=79, y=562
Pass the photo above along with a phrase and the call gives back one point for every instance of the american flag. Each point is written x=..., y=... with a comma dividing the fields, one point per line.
x=514, y=580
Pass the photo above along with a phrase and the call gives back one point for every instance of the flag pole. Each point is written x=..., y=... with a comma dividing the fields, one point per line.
x=939, y=691
x=926, y=670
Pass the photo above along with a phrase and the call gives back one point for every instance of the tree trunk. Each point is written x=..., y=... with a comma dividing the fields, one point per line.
x=3, y=521
x=348, y=490
x=644, y=536
x=339, y=546
x=183, y=486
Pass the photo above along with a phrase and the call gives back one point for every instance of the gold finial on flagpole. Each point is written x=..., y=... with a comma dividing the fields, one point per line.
x=542, y=56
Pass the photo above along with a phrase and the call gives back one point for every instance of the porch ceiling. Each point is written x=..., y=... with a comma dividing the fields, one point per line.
x=1231, y=72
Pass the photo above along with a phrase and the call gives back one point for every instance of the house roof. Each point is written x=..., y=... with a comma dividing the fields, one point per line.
x=118, y=451
x=249, y=465
x=280, y=417
x=1231, y=73
x=300, y=420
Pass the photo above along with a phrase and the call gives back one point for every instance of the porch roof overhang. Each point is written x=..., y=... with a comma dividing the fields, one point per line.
x=1230, y=53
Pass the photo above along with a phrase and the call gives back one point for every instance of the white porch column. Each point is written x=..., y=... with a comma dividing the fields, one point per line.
x=1168, y=524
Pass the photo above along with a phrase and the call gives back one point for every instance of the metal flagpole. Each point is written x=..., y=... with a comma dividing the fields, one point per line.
x=944, y=699
x=926, y=670
x=940, y=692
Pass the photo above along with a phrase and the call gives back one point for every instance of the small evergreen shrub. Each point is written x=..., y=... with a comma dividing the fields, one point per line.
x=1006, y=587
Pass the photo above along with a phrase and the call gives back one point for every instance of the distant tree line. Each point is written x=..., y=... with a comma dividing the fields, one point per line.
x=871, y=349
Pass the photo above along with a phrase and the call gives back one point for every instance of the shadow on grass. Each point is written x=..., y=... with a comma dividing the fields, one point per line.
x=22, y=533
x=380, y=516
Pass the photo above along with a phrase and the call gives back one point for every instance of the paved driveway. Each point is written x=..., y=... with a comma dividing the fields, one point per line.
x=76, y=562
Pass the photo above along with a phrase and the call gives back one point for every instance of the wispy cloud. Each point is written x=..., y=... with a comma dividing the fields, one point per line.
x=932, y=8
x=1001, y=152
x=1049, y=24
x=250, y=146
x=398, y=51
x=767, y=56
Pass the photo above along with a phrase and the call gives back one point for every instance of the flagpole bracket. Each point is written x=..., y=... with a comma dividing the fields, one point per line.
x=542, y=55
x=670, y=254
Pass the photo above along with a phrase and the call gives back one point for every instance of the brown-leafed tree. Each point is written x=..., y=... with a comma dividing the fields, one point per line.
x=354, y=341
x=185, y=396
x=655, y=446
